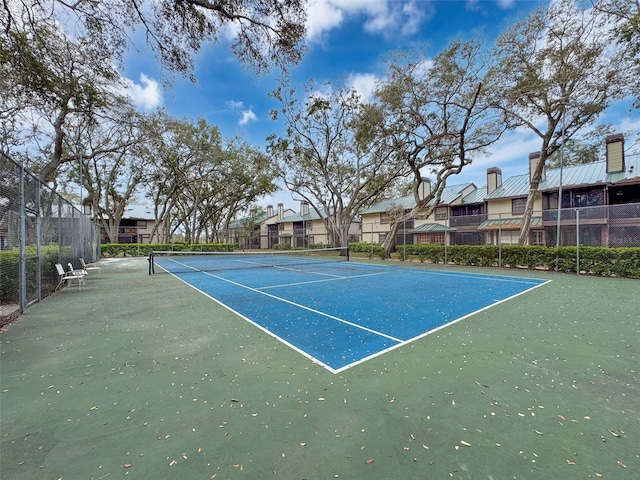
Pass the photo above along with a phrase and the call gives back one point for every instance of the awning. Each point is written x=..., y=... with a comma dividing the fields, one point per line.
x=508, y=224
x=432, y=228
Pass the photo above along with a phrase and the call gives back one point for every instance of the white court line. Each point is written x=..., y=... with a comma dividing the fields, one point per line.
x=400, y=343
x=323, y=280
x=438, y=328
x=313, y=310
x=488, y=276
x=280, y=267
x=260, y=327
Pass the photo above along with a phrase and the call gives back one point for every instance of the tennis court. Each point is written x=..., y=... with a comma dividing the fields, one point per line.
x=335, y=312
x=140, y=377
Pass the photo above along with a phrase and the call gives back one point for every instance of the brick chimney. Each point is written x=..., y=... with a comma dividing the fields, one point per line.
x=424, y=189
x=534, y=159
x=269, y=211
x=615, y=153
x=280, y=211
x=494, y=179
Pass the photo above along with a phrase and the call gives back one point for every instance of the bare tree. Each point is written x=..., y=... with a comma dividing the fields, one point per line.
x=435, y=119
x=557, y=74
x=324, y=160
x=583, y=148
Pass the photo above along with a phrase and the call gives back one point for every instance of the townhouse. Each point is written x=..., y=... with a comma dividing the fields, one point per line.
x=600, y=205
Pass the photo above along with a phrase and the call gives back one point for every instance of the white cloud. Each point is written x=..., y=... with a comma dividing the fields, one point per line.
x=363, y=83
x=323, y=16
x=506, y=4
x=147, y=94
x=247, y=116
x=385, y=17
x=502, y=4
x=510, y=154
x=234, y=105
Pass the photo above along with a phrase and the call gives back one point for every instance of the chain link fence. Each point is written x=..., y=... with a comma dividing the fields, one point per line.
x=38, y=228
x=595, y=226
x=294, y=238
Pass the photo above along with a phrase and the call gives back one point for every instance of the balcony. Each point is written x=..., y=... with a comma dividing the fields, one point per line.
x=568, y=215
x=625, y=214
x=467, y=220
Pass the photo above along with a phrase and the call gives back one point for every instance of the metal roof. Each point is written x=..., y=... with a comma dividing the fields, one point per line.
x=386, y=205
x=449, y=194
x=508, y=223
x=312, y=215
x=432, y=227
x=256, y=221
x=296, y=217
x=143, y=212
x=572, y=176
x=479, y=195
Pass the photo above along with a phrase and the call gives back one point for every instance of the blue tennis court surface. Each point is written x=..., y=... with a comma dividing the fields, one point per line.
x=343, y=313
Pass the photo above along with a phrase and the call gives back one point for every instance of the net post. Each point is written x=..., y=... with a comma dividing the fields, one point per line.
x=150, y=260
x=347, y=253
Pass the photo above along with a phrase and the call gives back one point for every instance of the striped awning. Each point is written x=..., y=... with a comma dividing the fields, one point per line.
x=508, y=223
x=432, y=228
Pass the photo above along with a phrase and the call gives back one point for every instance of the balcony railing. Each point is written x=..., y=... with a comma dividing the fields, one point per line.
x=586, y=213
x=467, y=220
x=612, y=213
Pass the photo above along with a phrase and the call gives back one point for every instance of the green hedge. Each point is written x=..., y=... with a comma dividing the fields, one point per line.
x=143, y=249
x=621, y=262
x=601, y=261
x=10, y=271
x=364, y=249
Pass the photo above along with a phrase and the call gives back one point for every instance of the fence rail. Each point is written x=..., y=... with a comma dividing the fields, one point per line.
x=38, y=228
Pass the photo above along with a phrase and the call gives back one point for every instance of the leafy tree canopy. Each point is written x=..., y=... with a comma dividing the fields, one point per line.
x=263, y=32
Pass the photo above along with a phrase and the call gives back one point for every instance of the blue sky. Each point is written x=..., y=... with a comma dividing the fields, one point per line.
x=348, y=41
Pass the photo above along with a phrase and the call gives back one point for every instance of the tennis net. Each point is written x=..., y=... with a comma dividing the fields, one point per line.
x=182, y=262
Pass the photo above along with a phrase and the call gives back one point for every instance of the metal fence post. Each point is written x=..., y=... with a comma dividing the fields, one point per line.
x=38, y=213
x=577, y=241
x=499, y=240
x=22, y=229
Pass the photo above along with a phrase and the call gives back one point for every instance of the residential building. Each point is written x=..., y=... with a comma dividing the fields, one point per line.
x=136, y=226
x=263, y=232
x=307, y=227
x=422, y=228
x=285, y=228
x=600, y=204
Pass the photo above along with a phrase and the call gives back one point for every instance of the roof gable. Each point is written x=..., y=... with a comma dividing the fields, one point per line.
x=449, y=195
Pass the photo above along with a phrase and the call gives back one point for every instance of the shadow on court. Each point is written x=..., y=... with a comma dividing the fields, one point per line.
x=142, y=376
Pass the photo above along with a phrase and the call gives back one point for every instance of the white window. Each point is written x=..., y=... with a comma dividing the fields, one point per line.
x=538, y=237
x=518, y=205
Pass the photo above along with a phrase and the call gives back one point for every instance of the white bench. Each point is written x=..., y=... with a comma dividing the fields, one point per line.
x=90, y=267
x=68, y=276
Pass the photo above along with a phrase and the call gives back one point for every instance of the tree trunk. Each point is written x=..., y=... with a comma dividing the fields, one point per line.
x=525, y=228
x=389, y=243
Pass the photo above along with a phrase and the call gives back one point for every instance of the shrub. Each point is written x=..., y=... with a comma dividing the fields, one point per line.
x=370, y=250
x=603, y=261
x=143, y=249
